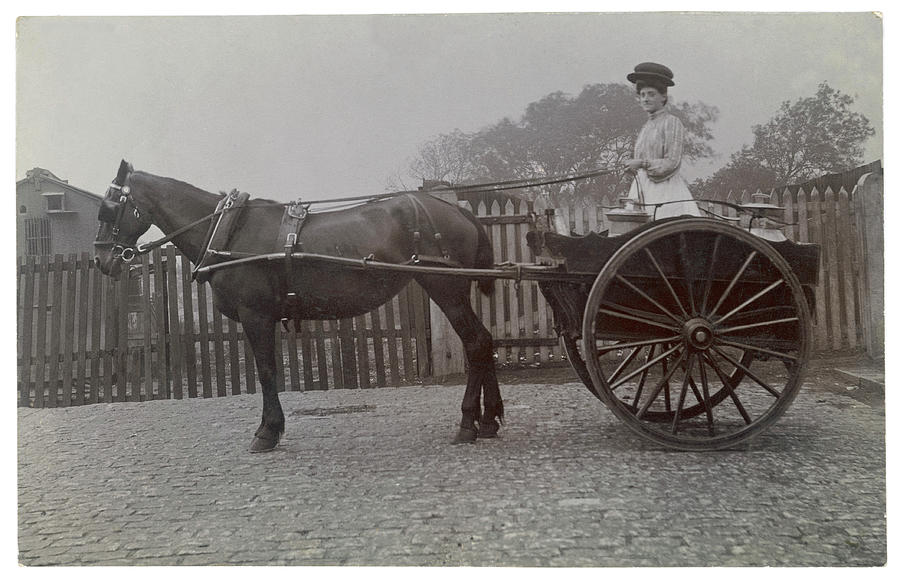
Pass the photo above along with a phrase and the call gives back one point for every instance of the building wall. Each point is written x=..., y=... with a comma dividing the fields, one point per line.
x=72, y=230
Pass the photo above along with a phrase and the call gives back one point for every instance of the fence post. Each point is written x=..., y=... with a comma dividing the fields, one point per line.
x=447, y=357
x=870, y=222
x=27, y=329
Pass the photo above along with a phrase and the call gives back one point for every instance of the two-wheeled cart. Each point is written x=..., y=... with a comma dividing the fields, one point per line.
x=694, y=331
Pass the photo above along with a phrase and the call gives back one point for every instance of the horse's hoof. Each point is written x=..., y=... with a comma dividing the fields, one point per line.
x=488, y=431
x=465, y=435
x=261, y=445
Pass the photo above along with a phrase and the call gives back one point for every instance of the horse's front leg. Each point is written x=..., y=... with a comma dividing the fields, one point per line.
x=261, y=334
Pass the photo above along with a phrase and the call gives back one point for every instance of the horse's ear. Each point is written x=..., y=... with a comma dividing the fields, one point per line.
x=124, y=169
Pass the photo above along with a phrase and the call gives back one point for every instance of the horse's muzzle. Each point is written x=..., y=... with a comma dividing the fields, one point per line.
x=109, y=265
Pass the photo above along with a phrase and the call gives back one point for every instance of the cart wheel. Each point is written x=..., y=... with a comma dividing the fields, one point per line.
x=572, y=348
x=678, y=316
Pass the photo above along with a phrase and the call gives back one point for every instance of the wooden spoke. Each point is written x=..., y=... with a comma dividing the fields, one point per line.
x=684, y=386
x=765, y=313
x=602, y=349
x=686, y=271
x=750, y=300
x=646, y=365
x=703, y=380
x=710, y=274
x=665, y=280
x=640, y=389
x=731, y=393
x=625, y=363
x=747, y=372
x=625, y=316
x=643, y=295
x=756, y=325
x=660, y=385
x=667, y=393
x=758, y=349
x=658, y=318
x=700, y=399
x=734, y=280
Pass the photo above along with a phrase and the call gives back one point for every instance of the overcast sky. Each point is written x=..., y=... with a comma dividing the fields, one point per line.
x=328, y=106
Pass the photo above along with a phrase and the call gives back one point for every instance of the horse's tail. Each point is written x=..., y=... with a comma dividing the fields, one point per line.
x=484, y=253
x=485, y=260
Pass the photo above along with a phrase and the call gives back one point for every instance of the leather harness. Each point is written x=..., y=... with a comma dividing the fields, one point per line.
x=418, y=257
x=288, y=238
x=219, y=234
x=292, y=221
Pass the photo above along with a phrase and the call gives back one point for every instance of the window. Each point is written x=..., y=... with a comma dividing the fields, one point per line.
x=23, y=209
x=55, y=201
x=37, y=236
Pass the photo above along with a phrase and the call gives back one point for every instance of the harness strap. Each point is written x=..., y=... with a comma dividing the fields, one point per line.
x=419, y=208
x=219, y=233
x=292, y=221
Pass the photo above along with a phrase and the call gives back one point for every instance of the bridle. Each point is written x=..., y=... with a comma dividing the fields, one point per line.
x=112, y=211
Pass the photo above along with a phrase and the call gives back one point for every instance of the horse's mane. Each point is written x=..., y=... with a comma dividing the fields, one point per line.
x=182, y=184
x=172, y=182
x=263, y=201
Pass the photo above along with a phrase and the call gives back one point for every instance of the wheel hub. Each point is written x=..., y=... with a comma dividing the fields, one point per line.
x=698, y=334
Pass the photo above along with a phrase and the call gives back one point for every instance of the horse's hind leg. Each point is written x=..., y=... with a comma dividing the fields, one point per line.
x=261, y=334
x=452, y=296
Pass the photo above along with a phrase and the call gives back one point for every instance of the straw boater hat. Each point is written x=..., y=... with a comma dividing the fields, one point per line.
x=652, y=72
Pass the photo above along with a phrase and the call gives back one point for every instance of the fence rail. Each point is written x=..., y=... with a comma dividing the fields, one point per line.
x=84, y=338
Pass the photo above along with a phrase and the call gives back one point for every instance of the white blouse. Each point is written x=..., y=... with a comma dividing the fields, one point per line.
x=661, y=186
x=660, y=143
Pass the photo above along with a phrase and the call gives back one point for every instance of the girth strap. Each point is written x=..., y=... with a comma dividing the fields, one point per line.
x=292, y=221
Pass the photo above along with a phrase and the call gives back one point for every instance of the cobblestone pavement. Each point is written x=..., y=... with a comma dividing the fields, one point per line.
x=369, y=478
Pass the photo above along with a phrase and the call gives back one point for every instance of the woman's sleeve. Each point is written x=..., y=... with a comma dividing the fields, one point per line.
x=673, y=136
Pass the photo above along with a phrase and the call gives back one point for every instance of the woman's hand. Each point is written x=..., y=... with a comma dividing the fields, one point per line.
x=632, y=165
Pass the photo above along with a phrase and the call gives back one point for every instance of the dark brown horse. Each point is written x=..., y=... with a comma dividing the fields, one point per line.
x=254, y=293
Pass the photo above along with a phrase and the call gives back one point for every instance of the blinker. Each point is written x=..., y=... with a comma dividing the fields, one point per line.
x=109, y=211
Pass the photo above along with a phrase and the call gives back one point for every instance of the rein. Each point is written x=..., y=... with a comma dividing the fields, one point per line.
x=149, y=246
x=128, y=253
x=532, y=182
x=483, y=187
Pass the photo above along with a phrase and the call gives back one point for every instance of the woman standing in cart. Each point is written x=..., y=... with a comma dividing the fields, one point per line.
x=657, y=151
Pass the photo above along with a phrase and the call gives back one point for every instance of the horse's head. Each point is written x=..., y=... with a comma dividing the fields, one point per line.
x=121, y=224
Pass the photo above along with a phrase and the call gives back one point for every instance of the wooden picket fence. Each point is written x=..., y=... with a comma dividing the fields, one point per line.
x=518, y=316
x=847, y=224
x=84, y=338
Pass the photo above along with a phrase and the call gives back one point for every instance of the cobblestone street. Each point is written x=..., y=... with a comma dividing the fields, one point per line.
x=370, y=478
